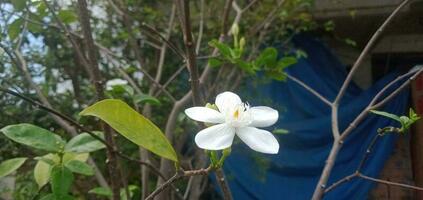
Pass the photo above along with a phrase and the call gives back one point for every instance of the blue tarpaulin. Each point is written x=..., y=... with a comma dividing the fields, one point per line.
x=294, y=172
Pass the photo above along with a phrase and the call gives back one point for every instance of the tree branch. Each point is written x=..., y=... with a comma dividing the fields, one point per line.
x=311, y=90
x=176, y=177
x=367, y=49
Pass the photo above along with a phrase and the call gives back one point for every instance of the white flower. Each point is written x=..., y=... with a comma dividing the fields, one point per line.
x=113, y=82
x=235, y=118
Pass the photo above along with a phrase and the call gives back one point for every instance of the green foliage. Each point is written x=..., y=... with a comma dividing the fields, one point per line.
x=405, y=121
x=145, y=98
x=67, y=16
x=84, y=143
x=61, y=181
x=267, y=61
x=35, y=137
x=119, y=90
x=11, y=165
x=101, y=191
x=133, y=126
x=42, y=170
x=19, y=5
x=14, y=28
x=80, y=167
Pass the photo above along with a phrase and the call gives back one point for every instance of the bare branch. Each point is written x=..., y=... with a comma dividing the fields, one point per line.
x=176, y=177
x=308, y=88
x=367, y=49
x=390, y=182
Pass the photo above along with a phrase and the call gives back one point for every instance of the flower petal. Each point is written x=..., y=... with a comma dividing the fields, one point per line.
x=204, y=114
x=259, y=140
x=263, y=116
x=227, y=100
x=216, y=137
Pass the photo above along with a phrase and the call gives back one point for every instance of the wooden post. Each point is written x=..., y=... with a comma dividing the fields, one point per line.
x=417, y=135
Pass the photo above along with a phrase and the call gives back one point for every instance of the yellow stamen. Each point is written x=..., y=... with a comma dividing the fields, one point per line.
x=236, y=114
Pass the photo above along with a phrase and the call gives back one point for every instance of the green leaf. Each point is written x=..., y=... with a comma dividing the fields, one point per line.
x=286, y=62
x=67, y=16
x=214, y=62
x=267, y=57
x=79, y=167
x=19, y=5
x=42, y=170
x=14, y=28
x=34, y=136
x=61, y=180
x=69, y=156
x=132, y=189
x=133, y=126
x=276, y=74
x=280, y=131
x=224, y=49
x=45, y=160
x=101, y=191
x=84, y=143
x=121, y=89
x=144, y=98
x=246, y=66
x=11, y=165
x=56, y=197
x=385, y=114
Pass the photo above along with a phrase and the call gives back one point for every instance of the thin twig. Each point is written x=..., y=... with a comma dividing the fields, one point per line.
x=221, y=180
x=367, y=49
x=340, y=182
x=311, y=90
x=179, y=174
x=390, y=182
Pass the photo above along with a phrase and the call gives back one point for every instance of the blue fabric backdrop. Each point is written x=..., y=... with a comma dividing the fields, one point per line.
x=294, y=172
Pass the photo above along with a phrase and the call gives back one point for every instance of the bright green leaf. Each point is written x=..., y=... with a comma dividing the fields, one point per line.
x=224, y=49
x=34, y=136
x=83, y=157
x=79, y=167
x=67, y=16
x=61, y=180
x=101, y=191
x=246, y=66
x=42, y=170
x=84, y=143
x=133, y=126
x=385, y=114
x=214, y=62
x=11, y=165
x=286, y=62
x=144, y=98
x=267, y=57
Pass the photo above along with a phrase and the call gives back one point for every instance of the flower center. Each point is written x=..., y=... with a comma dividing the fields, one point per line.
x=239, y=115
x=236, y=114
